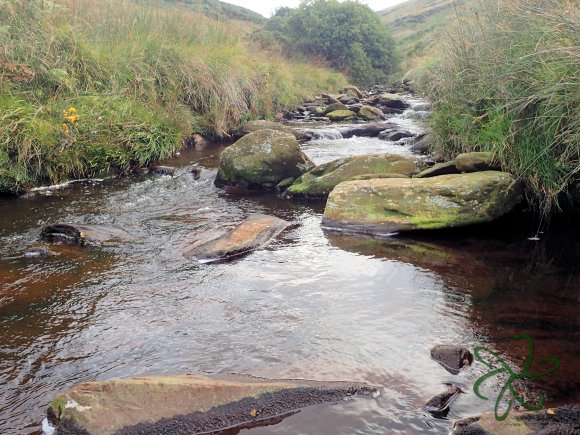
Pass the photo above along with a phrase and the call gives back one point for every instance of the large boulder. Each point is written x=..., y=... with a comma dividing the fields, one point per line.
x=333, y=108
x=474, y=162
x=260, y=160
x=253, y=233
x=320, y=181
x=370, y=113
x=253, y=126
x=340, y=115
x=188, y=404
x=384, y=206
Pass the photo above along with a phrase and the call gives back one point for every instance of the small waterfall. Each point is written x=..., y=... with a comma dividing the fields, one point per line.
x=421, y=106
x=328, y=134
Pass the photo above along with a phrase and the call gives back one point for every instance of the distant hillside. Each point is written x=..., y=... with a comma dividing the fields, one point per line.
x=219, y=9
x=415, y=25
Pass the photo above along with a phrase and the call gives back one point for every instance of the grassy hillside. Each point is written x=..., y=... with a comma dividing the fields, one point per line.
x=416, y=25
x=87, y=86
x=217, y=9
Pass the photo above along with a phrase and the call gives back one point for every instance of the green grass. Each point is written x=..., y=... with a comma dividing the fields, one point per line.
x=509, y=83
x=141, y=79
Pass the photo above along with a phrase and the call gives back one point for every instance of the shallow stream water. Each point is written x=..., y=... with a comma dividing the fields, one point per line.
x=311, y=305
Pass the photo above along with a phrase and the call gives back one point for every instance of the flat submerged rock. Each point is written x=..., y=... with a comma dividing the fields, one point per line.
x=253, y=233
x=188, y=404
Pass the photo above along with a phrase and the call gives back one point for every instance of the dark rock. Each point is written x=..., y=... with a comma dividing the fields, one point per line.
x=253, y=233
x=439, y=169
x=395, y=135
x=329, y=99
x=366, y=130
x=438, y=406
x=452, y=358
x=354, y=107
x=349, y=100
x=81, y=235
x=164, y=170
x=423, y=145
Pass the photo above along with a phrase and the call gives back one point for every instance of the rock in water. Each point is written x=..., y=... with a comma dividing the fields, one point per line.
x=475, y=162
x=251, y=234
x=561, y=421
x=188, y=404
x=81, y=235
x=260, y=160
x=253, y=126
x=452, y=358
x=340, y=115
x=384, y=206
x=320, y=181
x=439, y=405
x=370, y=113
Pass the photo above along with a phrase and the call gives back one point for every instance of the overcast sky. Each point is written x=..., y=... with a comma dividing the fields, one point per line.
x=267, y=7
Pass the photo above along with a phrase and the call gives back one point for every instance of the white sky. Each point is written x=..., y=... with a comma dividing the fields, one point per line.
x=267, y=7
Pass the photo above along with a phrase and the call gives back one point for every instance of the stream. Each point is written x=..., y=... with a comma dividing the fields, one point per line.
x=311, y=304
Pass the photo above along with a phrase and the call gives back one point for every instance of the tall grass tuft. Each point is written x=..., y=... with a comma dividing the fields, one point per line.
x=140, y=78
x=509, y=83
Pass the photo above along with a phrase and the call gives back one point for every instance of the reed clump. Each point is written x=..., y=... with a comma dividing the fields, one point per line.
x=140, y=78
x=509, y=82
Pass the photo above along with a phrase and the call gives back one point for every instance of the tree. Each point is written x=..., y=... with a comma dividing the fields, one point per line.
x=348, y=34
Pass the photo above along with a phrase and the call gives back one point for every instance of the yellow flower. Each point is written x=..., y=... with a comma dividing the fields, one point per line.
x=72, y=110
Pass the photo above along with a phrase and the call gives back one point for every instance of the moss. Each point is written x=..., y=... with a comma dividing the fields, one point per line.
x=58, y=406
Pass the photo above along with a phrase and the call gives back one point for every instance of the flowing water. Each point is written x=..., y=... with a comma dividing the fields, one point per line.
x=311, y=305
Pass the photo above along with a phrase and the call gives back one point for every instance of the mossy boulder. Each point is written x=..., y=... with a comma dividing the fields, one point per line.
x=384, y=206
x=340, y=115
x=374, y=176
x=320, y=181
x=369, y=113
x=253, y=126
x=334, y=107
x=260, y=160
x=475, y=162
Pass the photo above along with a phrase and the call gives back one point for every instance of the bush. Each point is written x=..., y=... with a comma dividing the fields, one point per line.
x=509, y=83
x=347, y=34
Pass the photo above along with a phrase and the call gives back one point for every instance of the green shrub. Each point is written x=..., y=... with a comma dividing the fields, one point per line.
x=509, y=83
x=347, y=34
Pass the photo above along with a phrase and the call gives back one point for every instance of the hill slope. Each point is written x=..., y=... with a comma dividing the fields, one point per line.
x=219, y=9
x=415, y=25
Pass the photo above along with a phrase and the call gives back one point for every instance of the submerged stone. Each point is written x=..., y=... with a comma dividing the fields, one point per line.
x=452, y=358
x=251, y=234
x=81, y=235
x=260, y=160
x=320, y=181
x=384, y=206
x=188, y=404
